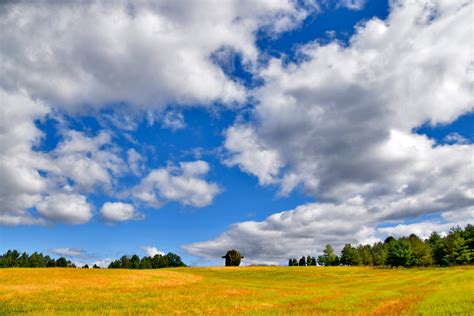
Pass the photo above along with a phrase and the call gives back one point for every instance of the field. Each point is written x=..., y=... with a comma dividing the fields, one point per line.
x=242, y=290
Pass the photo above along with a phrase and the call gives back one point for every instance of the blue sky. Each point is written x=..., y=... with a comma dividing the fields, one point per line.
x=272, y=128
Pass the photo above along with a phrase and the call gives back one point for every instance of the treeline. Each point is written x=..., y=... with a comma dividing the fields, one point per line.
x=13, y=258
x=156, y=262
x=456, y=248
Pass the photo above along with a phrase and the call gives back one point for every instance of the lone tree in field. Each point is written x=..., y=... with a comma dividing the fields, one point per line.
x=232, y=258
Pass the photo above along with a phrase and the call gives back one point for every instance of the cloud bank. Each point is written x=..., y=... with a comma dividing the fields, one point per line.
x=339, y=124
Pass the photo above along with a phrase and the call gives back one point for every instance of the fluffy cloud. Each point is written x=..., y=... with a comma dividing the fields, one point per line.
x=57, y=57
x=32, y=178
x=250, y=155
x=304, y=230
x=340, y=124
x=308, y=228
x=147, y=53
x=151, y=251
x=184, y=184
x=87, y=160
x=65, y=208
x=21, y=184
x=119, y=212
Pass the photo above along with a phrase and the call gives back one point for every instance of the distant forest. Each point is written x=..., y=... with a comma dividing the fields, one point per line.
x=13, y=259
x=456, y=248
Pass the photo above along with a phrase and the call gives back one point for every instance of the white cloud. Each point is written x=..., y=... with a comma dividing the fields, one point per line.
x=456, y=138
x=173, y=120
x=353, y=4
x=147, y=53
x=140, y=57
x=119, y=212
x=183, y=184
x=65, y=208
x=302, y=231
x=88, y=161
x=21, y=184
x=340, y=124
x=307, y=229
x=135, y=161
x=151, y=251
x=251, y=155
x=68, y=252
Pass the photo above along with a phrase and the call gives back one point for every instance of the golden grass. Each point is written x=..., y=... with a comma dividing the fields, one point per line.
x=242, y=290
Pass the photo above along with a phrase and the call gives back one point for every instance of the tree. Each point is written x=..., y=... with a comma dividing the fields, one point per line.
x=95, y=266
x=135, y=262
x=146, y=263
x=399, y=253
x=379, y=254
x=349, y=256
x=125, y=263
x=86, y=266
x=421, y=251
x=457, y=249
x=328, y=258
x=438, y=249
x=232, y=258
x=302, y=261
x=61, y=262
x=365, y=255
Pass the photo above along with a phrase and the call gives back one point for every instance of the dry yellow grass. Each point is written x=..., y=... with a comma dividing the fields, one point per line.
x=242, y=290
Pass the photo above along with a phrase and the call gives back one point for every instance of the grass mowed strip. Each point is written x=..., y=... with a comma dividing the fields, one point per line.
x=241, y=290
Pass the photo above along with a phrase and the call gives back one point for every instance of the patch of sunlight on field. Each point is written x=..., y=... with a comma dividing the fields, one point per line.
x=242, y=290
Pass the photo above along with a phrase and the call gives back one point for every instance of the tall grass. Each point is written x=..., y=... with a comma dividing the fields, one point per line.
x=242, y=290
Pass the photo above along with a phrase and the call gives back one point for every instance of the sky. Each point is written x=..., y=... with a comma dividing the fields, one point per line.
x=271, y=127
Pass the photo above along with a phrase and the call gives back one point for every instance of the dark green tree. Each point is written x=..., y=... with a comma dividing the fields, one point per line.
x=421, y=251
x=399, y=253
x=349, y=256
x=61, y=262
x=302, y=262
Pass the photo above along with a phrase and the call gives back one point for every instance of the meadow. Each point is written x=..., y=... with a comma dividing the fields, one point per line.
x=238, y=290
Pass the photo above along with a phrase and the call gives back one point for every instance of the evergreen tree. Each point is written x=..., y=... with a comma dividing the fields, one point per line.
x=302, y=262
x=399, y=253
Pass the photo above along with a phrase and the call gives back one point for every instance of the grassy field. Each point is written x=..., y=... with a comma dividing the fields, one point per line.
x=242, y=290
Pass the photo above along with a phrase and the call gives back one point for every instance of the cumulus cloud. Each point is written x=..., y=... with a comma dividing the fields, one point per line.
x=68, y=252
x=250, y=154
x=65, y=208
x=87, y=161
x=340, y=123
x=184, y=184
x=151, y=251
x=142, y=57
x=306, y=230
x=32, y=179
x=21, y=184
x=119, y=212
x=147, y=53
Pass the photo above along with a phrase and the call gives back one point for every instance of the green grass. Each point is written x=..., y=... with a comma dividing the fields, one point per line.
x=242, y=290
